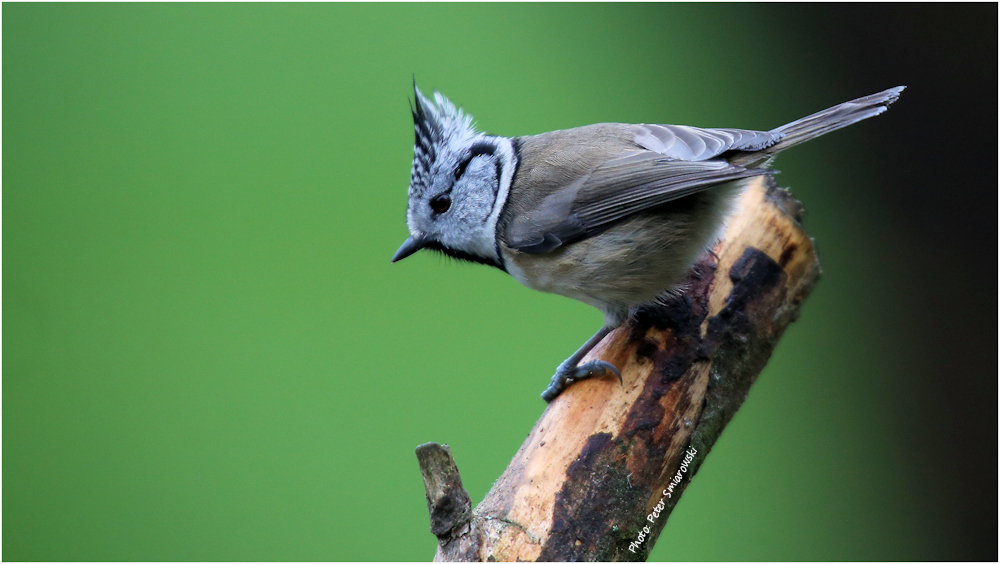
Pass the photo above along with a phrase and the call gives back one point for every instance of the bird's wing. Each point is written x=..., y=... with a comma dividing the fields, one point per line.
x=687, y=143
x=634, y=181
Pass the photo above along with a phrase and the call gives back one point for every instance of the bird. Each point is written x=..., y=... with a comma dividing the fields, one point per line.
x=612, y=214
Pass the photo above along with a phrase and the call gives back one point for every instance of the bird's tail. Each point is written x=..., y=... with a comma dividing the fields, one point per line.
x=821, y=123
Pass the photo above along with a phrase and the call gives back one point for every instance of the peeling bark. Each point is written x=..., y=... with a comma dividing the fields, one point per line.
x=599, y=474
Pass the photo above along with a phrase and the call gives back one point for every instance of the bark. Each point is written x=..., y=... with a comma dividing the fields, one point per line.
x=599, y=474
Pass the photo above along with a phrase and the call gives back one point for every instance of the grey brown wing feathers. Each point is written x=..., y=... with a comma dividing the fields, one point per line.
x=687, y=143
x=634, y=181
x=579, y=191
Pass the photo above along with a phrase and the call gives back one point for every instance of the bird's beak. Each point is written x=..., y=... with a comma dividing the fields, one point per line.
x=410, y=246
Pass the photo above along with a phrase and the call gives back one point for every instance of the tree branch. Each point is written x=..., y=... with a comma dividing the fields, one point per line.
x=599, y=474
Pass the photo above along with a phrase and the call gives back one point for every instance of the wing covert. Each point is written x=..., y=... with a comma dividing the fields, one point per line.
x=688, y=143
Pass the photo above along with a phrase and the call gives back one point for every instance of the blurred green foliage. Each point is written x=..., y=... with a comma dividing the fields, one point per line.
x=209, y=357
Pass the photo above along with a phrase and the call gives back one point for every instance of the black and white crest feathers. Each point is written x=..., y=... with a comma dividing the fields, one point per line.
x=435, y=125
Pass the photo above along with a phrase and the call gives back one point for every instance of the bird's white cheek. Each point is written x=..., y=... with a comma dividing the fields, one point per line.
x=475, y=240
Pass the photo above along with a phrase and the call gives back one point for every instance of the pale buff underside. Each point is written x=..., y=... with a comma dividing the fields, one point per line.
x=632, y=263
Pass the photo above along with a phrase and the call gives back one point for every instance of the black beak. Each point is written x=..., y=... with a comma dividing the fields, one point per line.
x=410, y=246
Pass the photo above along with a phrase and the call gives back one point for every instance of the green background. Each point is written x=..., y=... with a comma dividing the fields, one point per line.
x=208, y=355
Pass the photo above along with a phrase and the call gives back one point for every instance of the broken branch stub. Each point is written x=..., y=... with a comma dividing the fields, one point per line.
x=447, y=501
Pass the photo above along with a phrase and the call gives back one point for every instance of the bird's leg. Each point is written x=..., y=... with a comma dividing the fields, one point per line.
x=572, y=371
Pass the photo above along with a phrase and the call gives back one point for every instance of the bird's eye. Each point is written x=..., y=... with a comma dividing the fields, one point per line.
x=440, y=203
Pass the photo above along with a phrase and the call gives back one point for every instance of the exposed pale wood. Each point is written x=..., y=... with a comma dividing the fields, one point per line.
x=599, y=461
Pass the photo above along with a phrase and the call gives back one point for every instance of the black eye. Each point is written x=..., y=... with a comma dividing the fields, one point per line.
x=441, y=203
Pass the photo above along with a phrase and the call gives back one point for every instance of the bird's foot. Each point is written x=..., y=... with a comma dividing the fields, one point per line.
x=566, y=375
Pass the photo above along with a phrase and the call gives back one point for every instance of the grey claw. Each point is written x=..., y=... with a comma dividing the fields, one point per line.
x=602, y=366
x=551, y=392
x=566, y=376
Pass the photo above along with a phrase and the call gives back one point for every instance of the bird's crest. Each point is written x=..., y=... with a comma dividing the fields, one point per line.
x=437, y=126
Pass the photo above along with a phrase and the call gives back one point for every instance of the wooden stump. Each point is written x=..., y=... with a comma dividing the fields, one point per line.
x=599, y=474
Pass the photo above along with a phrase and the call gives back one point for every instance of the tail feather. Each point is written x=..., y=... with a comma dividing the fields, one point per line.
x=821, y=123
